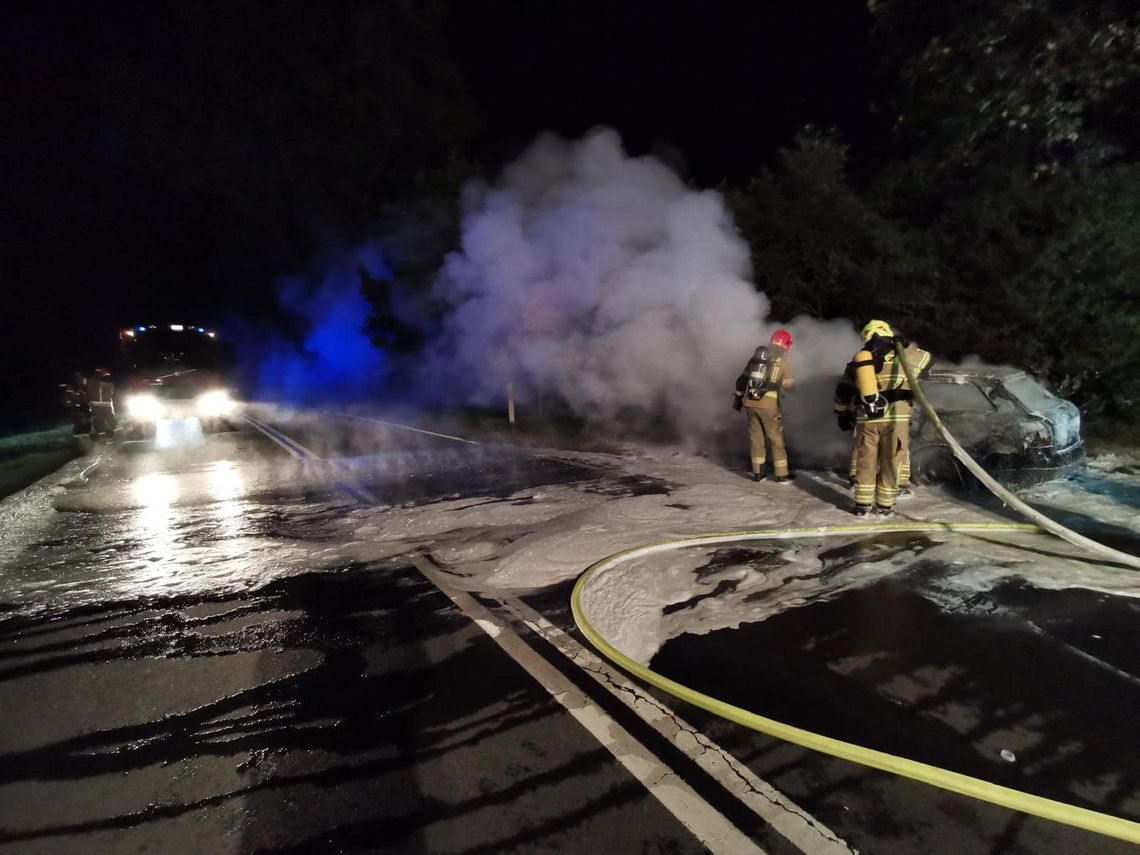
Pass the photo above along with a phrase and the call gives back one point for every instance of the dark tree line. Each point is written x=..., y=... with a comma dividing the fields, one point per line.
x=169, y=157
x=1003, y=218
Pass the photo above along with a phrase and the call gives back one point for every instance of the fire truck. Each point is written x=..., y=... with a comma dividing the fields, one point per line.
x=174, y=378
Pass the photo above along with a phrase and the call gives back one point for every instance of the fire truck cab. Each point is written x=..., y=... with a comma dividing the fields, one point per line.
x=174, y=379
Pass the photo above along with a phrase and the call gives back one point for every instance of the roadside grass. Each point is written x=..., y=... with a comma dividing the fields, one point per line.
x=27, y=457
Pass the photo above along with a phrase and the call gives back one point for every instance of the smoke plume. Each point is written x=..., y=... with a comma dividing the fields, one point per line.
x=328, y=357
x=603, y=280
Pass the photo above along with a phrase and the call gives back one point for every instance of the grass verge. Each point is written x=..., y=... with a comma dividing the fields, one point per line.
x=27, y=457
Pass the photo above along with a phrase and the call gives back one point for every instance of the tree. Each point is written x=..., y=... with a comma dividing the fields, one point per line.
x=1014, y=161
x=817, y=246
x=417, y=231
x=1046, y=81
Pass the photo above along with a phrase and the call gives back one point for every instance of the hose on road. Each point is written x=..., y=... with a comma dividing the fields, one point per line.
x=1062, y=812
x=580, y=604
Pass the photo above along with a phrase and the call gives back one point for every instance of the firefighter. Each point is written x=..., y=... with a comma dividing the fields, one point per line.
x=880, y=412
x=845, y=403
x=758, y=389
x=100, y=392
x=75, y=401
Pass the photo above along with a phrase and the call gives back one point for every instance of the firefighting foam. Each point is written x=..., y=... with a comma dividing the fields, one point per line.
x=605, y=281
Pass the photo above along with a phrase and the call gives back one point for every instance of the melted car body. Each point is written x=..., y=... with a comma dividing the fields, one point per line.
x=1010, y=423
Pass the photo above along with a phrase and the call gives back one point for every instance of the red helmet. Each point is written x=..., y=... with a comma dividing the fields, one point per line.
x=102, y=372
x=782, y=338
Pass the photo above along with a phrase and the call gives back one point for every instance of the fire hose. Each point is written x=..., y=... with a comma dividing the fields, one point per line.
x=582, y=603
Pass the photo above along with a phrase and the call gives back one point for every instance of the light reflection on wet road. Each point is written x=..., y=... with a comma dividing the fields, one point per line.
x=190, y=662
x=190, y=649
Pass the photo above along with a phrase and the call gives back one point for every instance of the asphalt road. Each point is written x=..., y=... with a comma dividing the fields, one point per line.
x=169, y=687
x=190, y=661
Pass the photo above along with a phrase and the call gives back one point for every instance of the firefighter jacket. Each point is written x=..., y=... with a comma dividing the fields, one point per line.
x=780, y=379
x=100, y=390
x=846, y=395
x=884, y=375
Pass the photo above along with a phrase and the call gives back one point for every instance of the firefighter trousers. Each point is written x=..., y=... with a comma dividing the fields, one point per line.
x=902, y=434
x=767, y=423
x=904, y=459
x=879, y=449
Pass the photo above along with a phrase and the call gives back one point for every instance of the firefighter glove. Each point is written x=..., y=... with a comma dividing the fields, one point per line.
x=846, y=421
x=738, y=403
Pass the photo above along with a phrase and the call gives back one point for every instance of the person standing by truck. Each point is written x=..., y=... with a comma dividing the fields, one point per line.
x=100, y=395
x=74, y=400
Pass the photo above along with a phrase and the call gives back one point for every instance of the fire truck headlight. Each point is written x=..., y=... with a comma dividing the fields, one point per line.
x=215, y=403
x=144, y=407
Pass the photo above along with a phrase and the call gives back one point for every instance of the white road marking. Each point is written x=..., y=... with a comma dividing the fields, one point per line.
x=263, y=430
x=269, y=432
x=404, y=427
x=791, y=821
x=709, y=825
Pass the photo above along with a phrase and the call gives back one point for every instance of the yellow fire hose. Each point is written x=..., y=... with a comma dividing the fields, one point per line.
x=1007, y=797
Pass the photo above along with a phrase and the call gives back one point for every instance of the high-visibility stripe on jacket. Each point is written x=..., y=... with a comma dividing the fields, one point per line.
x=889, y=381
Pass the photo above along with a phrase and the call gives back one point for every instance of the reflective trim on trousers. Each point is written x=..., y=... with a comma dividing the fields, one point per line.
x=876, y=471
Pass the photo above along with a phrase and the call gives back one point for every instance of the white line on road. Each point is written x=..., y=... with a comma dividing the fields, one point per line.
x=356, y=493
x=280, y=440
x=776, y=809
x=403, y=427
x=709, y=825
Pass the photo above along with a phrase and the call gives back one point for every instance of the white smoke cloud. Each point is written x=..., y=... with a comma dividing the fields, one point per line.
x=605, y=280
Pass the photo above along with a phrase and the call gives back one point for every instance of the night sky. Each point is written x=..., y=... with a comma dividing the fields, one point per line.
x=165, y=162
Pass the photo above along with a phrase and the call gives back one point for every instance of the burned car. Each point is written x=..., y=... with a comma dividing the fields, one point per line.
x=1012, y=425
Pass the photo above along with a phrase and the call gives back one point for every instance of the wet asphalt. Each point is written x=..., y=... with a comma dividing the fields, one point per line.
x=189, y=663
x=345, y=710
x=1031, y=689
x=188, y=667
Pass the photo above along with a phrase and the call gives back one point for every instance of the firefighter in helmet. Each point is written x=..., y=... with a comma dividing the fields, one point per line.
x=758, y=389
x=880, y=414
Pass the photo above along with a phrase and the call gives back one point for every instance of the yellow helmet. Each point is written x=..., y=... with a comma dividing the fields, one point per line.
x=875, y=328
